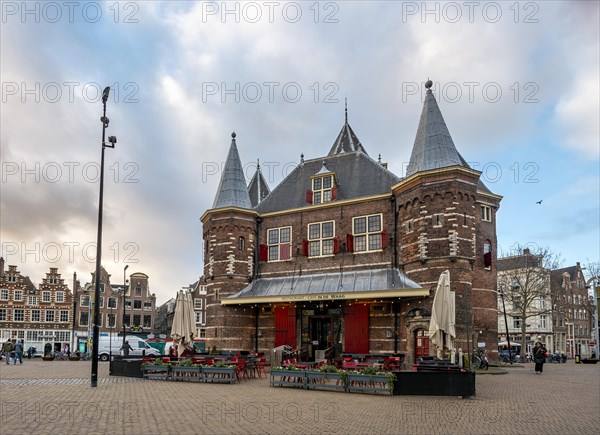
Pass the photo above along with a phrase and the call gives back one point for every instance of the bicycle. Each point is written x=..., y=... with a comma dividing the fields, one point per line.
x=60, y=356
x=479, y=360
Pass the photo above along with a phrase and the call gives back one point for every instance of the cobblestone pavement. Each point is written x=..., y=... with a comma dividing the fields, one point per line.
x=55, y=397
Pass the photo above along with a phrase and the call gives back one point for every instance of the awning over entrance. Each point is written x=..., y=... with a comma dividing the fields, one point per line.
x=363, y=284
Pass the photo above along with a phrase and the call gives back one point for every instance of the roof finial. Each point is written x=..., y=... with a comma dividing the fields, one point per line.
x=428, y=84
x=258, y=164
x=379, y=158
x=346, y=109
x=233, y=135
x=302, y=158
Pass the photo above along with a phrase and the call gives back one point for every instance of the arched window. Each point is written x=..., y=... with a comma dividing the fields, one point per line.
x=241, y=243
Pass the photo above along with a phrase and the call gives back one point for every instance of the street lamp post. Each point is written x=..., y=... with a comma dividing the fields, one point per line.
x=112, y=140
x=124, y=289
x=501, y=291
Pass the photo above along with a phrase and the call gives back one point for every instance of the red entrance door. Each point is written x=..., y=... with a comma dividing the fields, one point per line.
x=356, y=328
x=285, y=326
x=421, y=343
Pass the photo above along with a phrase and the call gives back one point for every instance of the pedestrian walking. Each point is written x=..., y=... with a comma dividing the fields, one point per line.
x=539, y=356
x=126, y=348
x=7, y=348
x=19, y=347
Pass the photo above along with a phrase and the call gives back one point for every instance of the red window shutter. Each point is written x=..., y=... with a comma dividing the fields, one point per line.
x=309, y=196
x=333, y=193
x=263, y=252
x=336, y=245
x=487, y=259
x=305, y=247
x=284, y=251
x=384, y=240
x=349, y=243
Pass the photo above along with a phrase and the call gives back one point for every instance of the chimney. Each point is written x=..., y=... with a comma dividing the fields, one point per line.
x=526, y=251
x=1, y=265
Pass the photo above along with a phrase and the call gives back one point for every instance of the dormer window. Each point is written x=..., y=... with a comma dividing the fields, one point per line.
x=323, y=189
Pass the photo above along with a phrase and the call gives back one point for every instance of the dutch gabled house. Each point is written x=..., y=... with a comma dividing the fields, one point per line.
x=343, y=256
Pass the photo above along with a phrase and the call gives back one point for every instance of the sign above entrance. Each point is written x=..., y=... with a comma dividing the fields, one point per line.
x=380, y=294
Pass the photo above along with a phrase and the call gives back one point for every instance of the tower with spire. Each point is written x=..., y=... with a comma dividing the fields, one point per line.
x=229, y=231
x=448, y=222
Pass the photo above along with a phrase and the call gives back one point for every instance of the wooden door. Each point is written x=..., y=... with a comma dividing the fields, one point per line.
x=285, y=326
x=421, y=343
x=356, y=328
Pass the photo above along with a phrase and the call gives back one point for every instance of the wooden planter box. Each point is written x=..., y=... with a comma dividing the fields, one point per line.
x=48, y=358
x=375, y=384
x=288, y=378
x=324, y=381
x=221, y=375
x=74, y=358
x=191, y=374
x=589, y=360
x=156, y=372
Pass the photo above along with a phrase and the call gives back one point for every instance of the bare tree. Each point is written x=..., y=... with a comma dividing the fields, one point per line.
x=525, y=279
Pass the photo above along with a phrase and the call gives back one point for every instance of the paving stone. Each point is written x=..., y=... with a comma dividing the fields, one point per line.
x=56, y=397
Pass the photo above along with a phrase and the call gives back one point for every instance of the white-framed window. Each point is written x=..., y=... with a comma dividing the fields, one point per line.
x=137, y=304
x=64, y=316
x=35, y=315
x=202, y=333
x=438, y=220
x=49, y=315
x=367, y=233
x=84, y=318
x=11, y=278
x=111, y=320
x=543, y=321
x=101, y=302
x=2, y=314
x=53, y=280
x=279, y=243
x=46, y=296
x=321, y=238
x=322, y=189
x=3, y=294
x=138, y=291
x=147, y=305
x=85, y=301
x=18, y=294
x=197, y=303
x=18, y=315
x=112, y=302
x=32, y=300
x=198, y=316
x=516, y=322
x=410, y=226
x=486, y=213
x=59, y=296
x=241, y=243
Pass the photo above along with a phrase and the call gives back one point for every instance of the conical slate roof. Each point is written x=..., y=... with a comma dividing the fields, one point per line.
x=232, y=191
x=258, y=187
x=433, y=147
x=347, y=141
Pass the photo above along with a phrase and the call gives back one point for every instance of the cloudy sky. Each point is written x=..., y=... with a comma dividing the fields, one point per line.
x=518, y=84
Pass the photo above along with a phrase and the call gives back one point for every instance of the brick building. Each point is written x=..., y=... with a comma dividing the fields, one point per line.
x=132, y=310
x=573, y=313
x=344, y=255
x=42, y=316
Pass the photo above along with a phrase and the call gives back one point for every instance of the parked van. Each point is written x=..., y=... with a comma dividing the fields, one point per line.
x=107, y=347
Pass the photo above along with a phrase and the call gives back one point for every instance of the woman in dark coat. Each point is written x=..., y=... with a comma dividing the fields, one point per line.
x=539, y=356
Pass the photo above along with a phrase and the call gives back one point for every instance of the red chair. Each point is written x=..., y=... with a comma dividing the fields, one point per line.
x=260, y=367
x=240, y=371
x=349, y=365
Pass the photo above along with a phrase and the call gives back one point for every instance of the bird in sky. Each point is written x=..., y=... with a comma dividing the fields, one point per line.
x=539, y=202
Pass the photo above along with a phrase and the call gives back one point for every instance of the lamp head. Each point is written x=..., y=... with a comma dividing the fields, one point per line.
x=112, y=139
x=105, y=94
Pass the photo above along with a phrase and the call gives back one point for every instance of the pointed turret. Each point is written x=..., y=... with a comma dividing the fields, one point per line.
x=433, y=147
x=232, y=191
x=347, y=141
x=258, y=187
